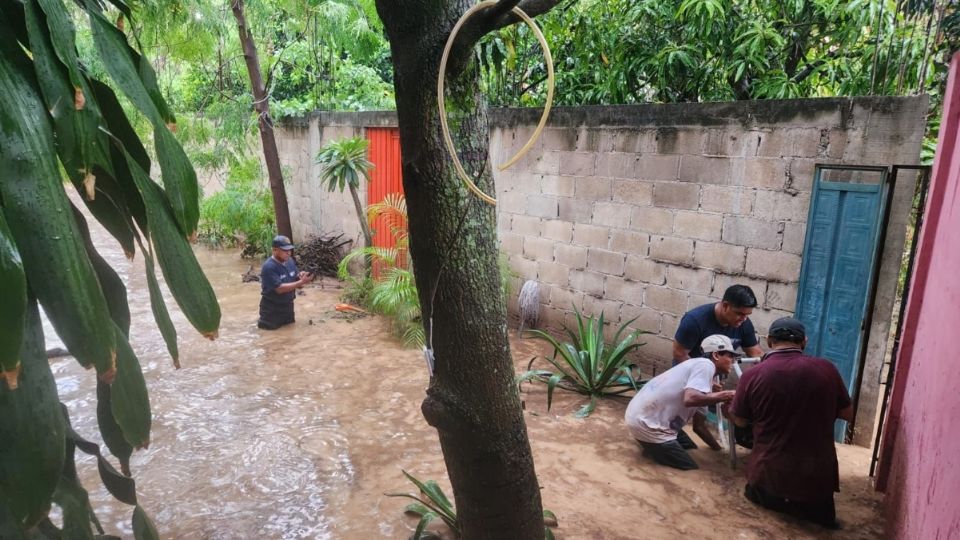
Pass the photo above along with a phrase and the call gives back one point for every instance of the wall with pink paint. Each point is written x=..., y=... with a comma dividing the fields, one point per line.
x=920, y=467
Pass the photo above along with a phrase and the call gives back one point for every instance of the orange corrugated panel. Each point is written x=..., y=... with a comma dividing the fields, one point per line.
x=385, y=178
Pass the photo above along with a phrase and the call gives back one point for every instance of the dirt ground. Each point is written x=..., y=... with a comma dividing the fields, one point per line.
x=298, y=433
x=593, y=476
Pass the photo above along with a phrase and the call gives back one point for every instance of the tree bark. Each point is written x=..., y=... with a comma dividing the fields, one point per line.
x=472, y=400
x=261, y=104
x=362, y=216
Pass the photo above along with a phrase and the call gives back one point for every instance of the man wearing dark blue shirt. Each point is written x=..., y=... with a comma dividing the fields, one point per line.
x=729, y=317
x=279, y=281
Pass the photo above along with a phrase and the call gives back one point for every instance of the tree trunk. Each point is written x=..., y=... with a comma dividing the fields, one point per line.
x=261, y=104
x=472, y=400
x=362, y=216
x=365, y=227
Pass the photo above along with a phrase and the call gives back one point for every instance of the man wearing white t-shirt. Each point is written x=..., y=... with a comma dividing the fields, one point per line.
x=669, y=400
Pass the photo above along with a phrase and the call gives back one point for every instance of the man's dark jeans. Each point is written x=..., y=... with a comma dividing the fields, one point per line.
x=821, y=512
x=672, y=453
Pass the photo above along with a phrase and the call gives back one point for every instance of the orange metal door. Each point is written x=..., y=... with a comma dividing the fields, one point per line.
x=385, y=178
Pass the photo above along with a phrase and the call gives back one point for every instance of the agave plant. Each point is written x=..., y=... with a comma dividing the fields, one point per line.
x=587, y=364
x=432, y=503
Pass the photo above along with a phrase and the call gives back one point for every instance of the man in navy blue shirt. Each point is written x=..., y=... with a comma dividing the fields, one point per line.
x=279, y=281
x=728, y=317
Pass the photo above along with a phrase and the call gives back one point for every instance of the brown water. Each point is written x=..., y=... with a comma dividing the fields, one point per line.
x=298, y=433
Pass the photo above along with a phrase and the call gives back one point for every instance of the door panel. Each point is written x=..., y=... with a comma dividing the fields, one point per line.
x=838, y=261
x=385, y=178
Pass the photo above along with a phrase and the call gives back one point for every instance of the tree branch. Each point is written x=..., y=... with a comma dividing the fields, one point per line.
x=493, y=18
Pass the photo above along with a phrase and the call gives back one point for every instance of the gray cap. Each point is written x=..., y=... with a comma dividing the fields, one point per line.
x=282, y=242
x=788, y=328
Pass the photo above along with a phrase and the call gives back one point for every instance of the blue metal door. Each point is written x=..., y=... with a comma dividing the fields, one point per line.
x=840, y=251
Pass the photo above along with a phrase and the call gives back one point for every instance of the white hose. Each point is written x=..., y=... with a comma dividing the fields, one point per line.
x=443, y=111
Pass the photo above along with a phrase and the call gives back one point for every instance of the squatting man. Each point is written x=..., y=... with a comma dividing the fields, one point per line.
x=667, y=402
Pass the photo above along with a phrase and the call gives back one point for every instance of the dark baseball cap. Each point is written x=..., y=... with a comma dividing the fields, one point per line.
x=282, y=242
x=788, y=328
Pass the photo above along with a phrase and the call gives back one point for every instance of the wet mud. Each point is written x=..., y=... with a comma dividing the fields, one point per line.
x=299, y=432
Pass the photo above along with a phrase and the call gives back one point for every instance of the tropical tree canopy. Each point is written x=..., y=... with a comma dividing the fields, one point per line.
x=626, y=51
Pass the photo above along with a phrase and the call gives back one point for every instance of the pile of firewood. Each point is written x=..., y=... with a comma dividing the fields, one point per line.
x=320, y=255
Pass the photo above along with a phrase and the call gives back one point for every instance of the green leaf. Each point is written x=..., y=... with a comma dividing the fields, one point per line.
x=416, y=508
x=13, y=315
x=159, y=307
x=73, y=499
x=110, y=431
x=129, y=401
x=124, y=66
x=551, y=384
x=33, y=433
x=181, y=270
x=588, y=408
x=39, y=216
x=143, y=527
x=425, y=520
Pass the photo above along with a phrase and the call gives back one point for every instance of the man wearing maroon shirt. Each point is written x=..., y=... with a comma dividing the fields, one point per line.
x=793, y=401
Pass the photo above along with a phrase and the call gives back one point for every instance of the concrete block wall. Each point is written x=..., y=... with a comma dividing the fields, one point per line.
x=647, y=211
x=644, y=212
x=313, y=209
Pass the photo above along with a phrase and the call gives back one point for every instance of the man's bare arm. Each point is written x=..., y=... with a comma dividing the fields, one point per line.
x=753, y=352
x=696, y=398
x=680, y=353
x=846, y=413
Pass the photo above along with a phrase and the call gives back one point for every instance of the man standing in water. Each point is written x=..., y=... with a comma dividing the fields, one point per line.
x=279, y=281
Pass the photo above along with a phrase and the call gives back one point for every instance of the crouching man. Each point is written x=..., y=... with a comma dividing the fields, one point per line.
x=793, y=401
x=668, y=401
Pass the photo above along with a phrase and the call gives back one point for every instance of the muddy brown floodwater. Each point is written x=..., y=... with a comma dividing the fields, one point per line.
x=298, y=433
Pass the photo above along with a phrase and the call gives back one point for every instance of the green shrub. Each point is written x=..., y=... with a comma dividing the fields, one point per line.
x=587, y=364
x=242, y=214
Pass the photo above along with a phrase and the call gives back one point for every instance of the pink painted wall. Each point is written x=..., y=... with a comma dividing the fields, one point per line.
x=920, y=453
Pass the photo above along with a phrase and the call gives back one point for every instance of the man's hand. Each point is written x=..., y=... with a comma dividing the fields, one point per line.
x=725, y=396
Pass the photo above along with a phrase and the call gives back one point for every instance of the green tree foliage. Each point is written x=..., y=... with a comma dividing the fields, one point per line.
x=626, y=51
x=241, y=214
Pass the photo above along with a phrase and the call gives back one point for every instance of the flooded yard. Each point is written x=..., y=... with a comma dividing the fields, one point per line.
x=298, y=433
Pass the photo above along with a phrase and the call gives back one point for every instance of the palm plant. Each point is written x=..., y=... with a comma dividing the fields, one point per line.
x=587, y=364
x=344, y=162
x=432, y=503
x=393, y=292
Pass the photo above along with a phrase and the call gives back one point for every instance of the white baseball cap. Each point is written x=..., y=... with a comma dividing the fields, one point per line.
x=717, y=343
